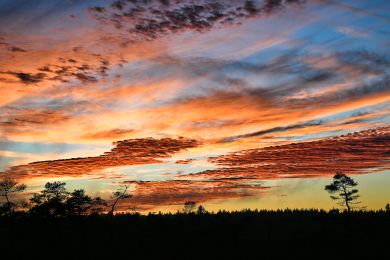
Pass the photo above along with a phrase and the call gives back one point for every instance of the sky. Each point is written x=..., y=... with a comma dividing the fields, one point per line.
x=232, y=104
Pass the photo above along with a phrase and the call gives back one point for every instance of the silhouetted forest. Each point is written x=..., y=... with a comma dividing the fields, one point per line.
x=58, y=223
x=292, y=234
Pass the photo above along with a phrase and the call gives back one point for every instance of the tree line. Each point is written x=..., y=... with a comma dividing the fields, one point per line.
x=55, y=201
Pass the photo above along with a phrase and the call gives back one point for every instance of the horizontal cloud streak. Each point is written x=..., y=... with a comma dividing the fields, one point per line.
x=128, y=152
x=273, y=130
x=352, y=153
x=148, y=195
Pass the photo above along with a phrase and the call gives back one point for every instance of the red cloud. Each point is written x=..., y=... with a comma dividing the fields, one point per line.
x=127, y=152
x=175, y=192
x=109, y=134
x=352, y=153
x=186, y=161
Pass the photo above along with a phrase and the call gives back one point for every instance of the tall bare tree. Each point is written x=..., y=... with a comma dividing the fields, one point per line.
x=8, y=188
x=121, y=194
x=343, y=187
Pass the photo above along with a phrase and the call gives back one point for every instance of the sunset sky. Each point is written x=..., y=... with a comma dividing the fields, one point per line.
x=232, y=104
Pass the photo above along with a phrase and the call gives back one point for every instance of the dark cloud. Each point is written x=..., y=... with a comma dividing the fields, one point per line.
x=16, y=49
x=380, y=85
x=84, y=72
x=363, y=61
x=272, y=6
x=290, y=73
x=28, y=78
x=72, y=69
x=36, y=114
x=21, y=120
x=273, y=130
x=9, y=46
x=150, y=19
x=84, y=77
x=69, y=68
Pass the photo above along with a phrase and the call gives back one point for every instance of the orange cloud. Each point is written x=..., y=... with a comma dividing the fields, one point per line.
x=127, y=152
x=150, y=194
x=109, y=134
x=352, y=153
x=186, y=161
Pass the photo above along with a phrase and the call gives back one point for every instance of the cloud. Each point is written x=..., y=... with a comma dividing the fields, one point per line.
x=351, y=32
x=151, y=20
x=27, y=78
x=186, y=161
x=300, y=90
x=72, y=69
x=357, y=152
x=127, y=152
x=9, y=46
x=217, y=99
x=149, y=194
x=16, y=49
x=85, y=78
x=109, y=134
x=273, y=130
x=283, y=76
x=35, y=115
x=63, y=72
x=22, y=118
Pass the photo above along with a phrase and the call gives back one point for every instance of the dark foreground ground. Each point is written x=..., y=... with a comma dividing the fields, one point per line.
x=238, y=235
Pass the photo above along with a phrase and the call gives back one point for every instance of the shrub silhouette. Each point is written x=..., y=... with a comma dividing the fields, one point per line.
x=201, y=210
x=189, y=207
x=55, y=201
x=387, y=208
x=8, y=188
x=344, y=185
x=50, y=201
x=79, y=203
